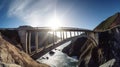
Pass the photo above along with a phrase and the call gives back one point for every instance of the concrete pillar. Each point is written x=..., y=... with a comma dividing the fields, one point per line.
x=53, y=38
x=23, y=34
x=36, y=41
x=26, y=42
x=47, y=39
x=49, y=42
x=55, y=34
x=63, y=35
x=70, y=34
x=29, y=40
x=66, y=34
x=79, y=33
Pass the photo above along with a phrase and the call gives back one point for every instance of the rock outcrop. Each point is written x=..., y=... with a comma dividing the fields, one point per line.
x=107, y=49
x=76, y=46
x=10, y=56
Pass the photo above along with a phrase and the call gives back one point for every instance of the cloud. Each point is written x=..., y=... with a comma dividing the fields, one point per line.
x=33, y=12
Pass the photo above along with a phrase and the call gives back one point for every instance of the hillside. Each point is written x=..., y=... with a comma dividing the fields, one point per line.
x=10, y=56
x=109, y=22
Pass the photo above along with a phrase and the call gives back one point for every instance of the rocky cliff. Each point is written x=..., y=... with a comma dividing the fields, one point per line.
x=10, y=56
x=107, y=49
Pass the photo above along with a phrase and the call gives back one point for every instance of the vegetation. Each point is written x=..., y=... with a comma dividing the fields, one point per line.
x=107, y=23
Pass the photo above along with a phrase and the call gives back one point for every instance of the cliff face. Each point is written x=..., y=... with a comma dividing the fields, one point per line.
x=107, y=49
x=109, y=42
x=10, y=56
x=76, y=46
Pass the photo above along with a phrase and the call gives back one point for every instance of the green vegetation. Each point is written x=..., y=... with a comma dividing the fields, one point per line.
x=107, y=23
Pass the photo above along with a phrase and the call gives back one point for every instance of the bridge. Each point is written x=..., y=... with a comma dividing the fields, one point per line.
x=36, y=41
x=39, y=40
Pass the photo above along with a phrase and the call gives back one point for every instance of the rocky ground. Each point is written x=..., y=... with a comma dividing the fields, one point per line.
x=10, y=56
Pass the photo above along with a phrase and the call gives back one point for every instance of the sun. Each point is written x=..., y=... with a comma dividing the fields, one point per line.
x=54, y=23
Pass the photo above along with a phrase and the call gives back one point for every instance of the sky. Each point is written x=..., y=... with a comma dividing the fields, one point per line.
x=60, y=13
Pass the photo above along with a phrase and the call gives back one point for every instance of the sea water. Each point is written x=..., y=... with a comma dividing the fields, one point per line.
x=58, y=59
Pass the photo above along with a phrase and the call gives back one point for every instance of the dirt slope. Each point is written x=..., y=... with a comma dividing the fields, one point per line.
x=10, y=55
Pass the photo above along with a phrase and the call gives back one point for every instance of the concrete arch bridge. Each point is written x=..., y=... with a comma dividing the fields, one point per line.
x=39, y=40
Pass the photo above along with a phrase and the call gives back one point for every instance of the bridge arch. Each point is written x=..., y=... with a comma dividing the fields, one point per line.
x=28, y=40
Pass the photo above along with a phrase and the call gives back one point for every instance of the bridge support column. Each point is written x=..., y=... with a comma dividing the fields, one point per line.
x=79, y=33
x=61, y=35
x=29, y=43
x=70, y=34
x=26, y=44
x=66, y=34
x=36, y=41
x=47, y=38
x=53, y=37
